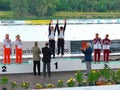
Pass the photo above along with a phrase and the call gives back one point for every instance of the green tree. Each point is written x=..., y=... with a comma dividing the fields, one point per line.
x=41, y=7
x=51, y=7
x=102, y=6
x=20, y=7
x=5, y=5
x=89, y=5
x=63, y=5
x=32, y=5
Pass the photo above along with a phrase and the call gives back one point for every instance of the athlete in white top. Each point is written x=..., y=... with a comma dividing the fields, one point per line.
x=51, y=36
x=61, y=41
x=7, y=49
x=18, y=48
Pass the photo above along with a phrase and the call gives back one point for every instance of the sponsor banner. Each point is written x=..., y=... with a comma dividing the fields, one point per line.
x=1, y=49
x=19, y=22
x=69, y=21
x=37, y=22
x=93, y=21
x=118, y=21
x=76, y=21
x=27, y=47
x=76, y=45
x=86, y=21
x=108, y=21
x=101, y=21
x=71, y=47
x=5, y=22
x=12, y=22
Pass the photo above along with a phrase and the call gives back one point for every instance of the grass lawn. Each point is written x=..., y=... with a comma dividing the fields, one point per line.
x=6, y=14
x=87, y=15
x=63, y=15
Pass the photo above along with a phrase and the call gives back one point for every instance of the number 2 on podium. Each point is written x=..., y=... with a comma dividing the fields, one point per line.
x=4, y=69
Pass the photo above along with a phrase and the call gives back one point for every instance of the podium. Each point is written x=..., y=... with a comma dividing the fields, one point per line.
x=59, y=64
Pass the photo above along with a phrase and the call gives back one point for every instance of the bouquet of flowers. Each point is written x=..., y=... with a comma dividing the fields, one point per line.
x=3, y=81
x=25, y=85
x=60, y=83
x=85, y=82
x=13, y=84
x=79, y=77
x=71, y=82
x=49, y=85
x=106, y=73
x=93, y=76
x=38, y=86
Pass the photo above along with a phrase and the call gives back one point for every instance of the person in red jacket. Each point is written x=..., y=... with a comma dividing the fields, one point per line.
x=18, y=47
x=7, y=49
x=106, y=48
x=97, y=48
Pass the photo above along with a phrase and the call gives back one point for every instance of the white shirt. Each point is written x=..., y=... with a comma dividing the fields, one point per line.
x=97, y=45
x=19, y=44
x=106, y=46
x=61, y=35
x=7, y=43
x=51, y=36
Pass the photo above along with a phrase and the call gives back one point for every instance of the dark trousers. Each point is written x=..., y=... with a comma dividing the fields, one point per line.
x=60, y=45
x=106, y=55
x=48, y=69
x=52, y=46
x=36, y=63
x=97, y=55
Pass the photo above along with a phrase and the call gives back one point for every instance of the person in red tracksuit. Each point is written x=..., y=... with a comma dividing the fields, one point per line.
x=18, y=47
x=106, y=48
x=97, y=42
x=7, y=49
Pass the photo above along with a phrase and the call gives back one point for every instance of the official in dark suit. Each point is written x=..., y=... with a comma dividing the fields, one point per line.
x=46, y=59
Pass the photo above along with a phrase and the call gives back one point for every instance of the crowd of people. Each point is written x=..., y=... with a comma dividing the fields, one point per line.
x=49, y=50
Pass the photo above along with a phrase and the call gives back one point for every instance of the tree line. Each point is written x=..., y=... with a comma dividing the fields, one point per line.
x=49, y=7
